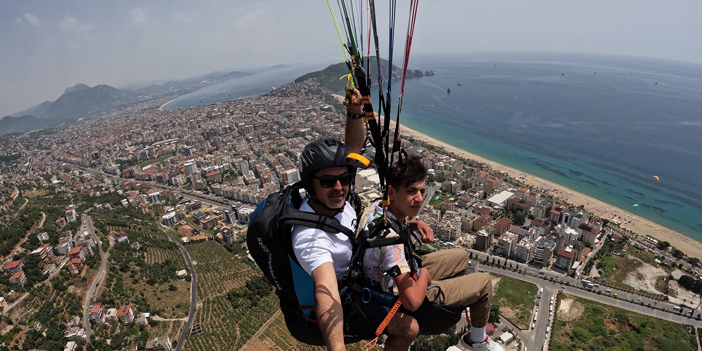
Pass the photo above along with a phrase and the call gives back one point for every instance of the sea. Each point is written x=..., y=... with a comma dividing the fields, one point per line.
x=256, y=83
x=600, y=125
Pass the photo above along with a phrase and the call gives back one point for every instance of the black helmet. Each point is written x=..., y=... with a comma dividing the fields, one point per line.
x=321, y=154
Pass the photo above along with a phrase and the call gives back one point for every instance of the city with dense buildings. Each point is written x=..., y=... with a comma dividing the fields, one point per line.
x=140, y=213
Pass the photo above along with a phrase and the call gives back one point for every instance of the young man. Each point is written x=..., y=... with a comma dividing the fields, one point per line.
x=389, y=269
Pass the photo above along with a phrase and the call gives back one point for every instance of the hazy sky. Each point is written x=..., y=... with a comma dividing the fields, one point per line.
x=46, y=46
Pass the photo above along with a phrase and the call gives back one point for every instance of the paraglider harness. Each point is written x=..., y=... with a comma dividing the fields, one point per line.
x=270, y=244
x=432, y=316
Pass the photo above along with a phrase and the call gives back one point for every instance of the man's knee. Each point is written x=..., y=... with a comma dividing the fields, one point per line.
x=485, y=282
x=463, y=256
x=404, y=326
x=402, y=333
x=412, y=331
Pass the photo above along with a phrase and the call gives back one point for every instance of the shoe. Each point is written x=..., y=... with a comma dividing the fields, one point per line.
x=487, y=344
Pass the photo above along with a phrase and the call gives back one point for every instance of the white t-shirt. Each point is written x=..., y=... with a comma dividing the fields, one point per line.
x=313, y=246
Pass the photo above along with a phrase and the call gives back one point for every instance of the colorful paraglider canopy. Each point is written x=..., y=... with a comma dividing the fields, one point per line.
x=655, y=176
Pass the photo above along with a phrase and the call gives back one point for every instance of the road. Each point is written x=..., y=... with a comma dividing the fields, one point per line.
x=97, y=280
x=209, y=199
x=188, y=195
x=30, y=157
x=17, y=247
x=431, y=189
x=193, y=288
x=573, y=282
x=53, y=274
x=534, y=338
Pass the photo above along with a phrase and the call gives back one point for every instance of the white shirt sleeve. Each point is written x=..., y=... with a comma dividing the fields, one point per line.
x=314, y=247
x=311, y=248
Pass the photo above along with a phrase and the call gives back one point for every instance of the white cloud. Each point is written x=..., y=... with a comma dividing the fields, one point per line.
x=74, y=32
x=70, y=25
x=32, y=19
x=138, y=16
x=187, y=17
x=252, y=19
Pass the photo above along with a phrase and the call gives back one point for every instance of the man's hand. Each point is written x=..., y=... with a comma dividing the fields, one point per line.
x=353, y=101
x=424, y=230
x=355, y=125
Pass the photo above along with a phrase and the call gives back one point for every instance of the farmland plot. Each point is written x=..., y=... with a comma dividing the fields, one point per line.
x=218, y=271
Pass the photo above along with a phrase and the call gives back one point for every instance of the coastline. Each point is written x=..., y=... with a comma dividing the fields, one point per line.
x=634, y=223
x=160, y=108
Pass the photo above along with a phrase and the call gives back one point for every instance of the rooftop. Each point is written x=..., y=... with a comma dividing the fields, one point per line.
x=12, y=264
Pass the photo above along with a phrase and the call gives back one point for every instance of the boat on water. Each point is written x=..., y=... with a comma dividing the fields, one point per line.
x=448, y=90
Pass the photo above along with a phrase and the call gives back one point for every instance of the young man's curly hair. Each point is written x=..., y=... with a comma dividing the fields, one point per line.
x=414, y=172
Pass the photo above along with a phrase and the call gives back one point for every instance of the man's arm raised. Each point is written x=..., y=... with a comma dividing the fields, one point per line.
x=330, y=314
x=355, y=122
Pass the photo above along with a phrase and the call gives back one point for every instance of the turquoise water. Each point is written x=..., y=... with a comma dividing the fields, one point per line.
x=599, y=125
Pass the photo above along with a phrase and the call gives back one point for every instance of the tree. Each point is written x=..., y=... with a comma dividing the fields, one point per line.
x=494, y=313
x=678, y=254
x=519, y=218
x=687, y=282
x=663, y=245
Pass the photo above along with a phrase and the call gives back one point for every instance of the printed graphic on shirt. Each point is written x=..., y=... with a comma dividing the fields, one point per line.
x=379, y=263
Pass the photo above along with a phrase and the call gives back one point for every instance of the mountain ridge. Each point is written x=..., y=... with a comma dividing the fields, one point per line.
x=329, y=76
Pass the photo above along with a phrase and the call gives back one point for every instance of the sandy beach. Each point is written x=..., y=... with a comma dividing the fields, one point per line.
x=634, y=223
x=160, y=108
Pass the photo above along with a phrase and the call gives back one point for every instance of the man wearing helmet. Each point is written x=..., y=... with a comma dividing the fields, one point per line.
x=327, y=178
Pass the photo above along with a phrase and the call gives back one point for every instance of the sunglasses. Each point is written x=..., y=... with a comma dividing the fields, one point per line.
x=328, y=181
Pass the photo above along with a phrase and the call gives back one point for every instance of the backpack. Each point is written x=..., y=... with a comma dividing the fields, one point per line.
x=270, y=244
